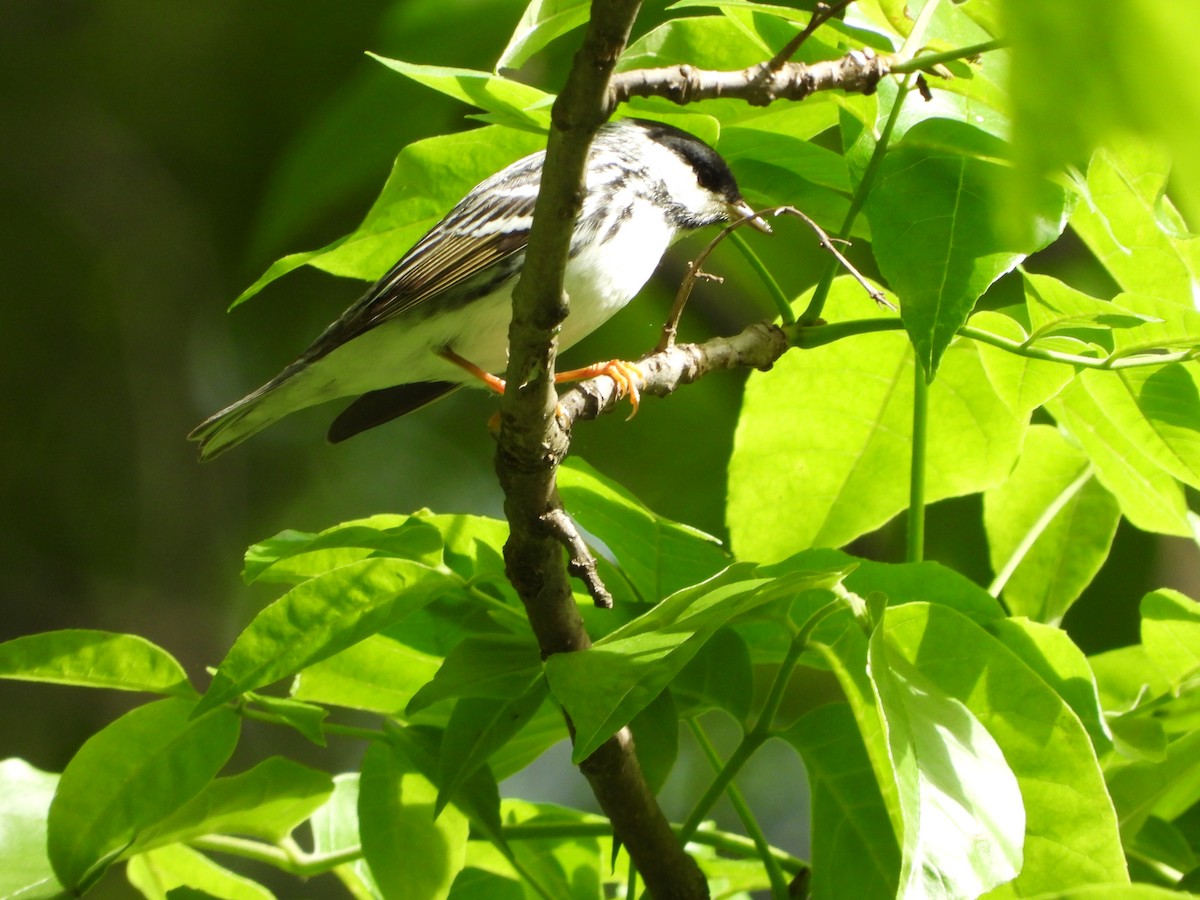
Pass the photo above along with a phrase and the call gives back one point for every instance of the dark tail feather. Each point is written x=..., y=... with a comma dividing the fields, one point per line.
x=376, y=407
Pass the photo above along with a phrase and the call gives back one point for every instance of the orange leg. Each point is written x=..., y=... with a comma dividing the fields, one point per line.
x=626, y=375
x=492, y=381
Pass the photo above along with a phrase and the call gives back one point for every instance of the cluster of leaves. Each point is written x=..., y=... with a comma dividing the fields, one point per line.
x=972, y=747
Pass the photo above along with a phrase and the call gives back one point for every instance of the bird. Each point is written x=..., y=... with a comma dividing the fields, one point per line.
x=438, y=319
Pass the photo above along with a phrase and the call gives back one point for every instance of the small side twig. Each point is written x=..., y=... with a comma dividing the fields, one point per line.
x=822, y=14
x=696, y=273
x=580, y=562
x=827, y=243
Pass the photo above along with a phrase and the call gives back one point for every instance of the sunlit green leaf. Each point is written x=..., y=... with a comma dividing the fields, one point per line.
x=657, y=555
x=320, y=617
x=293, y=556
x=516, y=104
x=822, y=449
x=1049, y=527
x=936, y=238
x=25, y=870
x=129, y=777
x=94, y=659
x=1163, y=788
x=428, y=178
x=1171, y=634
x=1052, y=654
x=478, y=727
x=379, y=674
x=266, y=802
x=541, y=23
x=335, y=829
x=410, y=853
x=497, y=666
x=854, y=849
x=161, y=873
x=964, y=822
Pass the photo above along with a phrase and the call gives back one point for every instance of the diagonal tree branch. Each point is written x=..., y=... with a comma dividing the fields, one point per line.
x=532, y=443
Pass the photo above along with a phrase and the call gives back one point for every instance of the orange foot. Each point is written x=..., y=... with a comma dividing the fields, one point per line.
x=626, y=375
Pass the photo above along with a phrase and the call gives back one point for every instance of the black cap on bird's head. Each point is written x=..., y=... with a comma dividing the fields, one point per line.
x=712, y=172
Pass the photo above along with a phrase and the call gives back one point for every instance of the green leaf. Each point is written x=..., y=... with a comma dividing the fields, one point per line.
x=379, y=674
x=1056, y=307
x=657, y=555
x=498, y=666
x=94, y=659
x=1100, y=409
x=656, y=739
x=411, y=855
x=720, y=676
x=129, y=777
x=160, y=874
x=1060, y=663
x=822, y=447
x=1122, y=223
x=543, y=731
x=964, y=823
x=510, y=102
x=335, y=829
x=427, y=179
x=1049, y=527
x=306, y=718
x=293, y=556
x=935, y=238
x=607, y=685
x=1070, y=833
x=1171, y=634
x=541, y=23
x=1022, y=383
x=1165, y=788
x=320, y=617
x=479, y=797
x=854, y=850
x=266, y=802
x=478, y=727
x=25, y=870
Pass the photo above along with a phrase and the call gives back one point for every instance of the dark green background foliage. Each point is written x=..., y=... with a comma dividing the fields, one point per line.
x=158, y=158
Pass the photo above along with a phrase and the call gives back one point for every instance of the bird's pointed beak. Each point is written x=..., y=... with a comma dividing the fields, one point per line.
x=741, y=210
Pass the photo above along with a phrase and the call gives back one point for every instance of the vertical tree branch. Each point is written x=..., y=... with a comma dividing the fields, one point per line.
x=533, y=441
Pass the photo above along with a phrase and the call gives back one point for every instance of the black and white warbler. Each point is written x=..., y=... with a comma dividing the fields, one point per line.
x=439, y=319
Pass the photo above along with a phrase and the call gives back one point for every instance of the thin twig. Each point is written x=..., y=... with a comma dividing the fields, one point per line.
x=822, y=14
x=580, y=562
x=827, y=243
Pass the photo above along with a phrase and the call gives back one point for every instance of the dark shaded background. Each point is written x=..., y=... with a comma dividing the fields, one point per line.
x=154, y=159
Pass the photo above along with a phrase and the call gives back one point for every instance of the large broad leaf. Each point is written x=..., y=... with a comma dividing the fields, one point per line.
x=935, y=236
x=1171, y=635
x=25, y=870
x=964, y=823
x=1042, y=741
x=293, y=556
x=604, y=687
x=542, y=22
x=320, y=617
x=1166, y=788
x=176, y=872
x=410, y=853
x=823, y=445
x=657, y=555
x=266, y=802
x=335, y=830
x=428, y=178
x=854, y=850
x=1129, y=225
x=1049, y=527
x=1102, y=412
x=510, y=102
x=129, y=777
x=94, y=659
